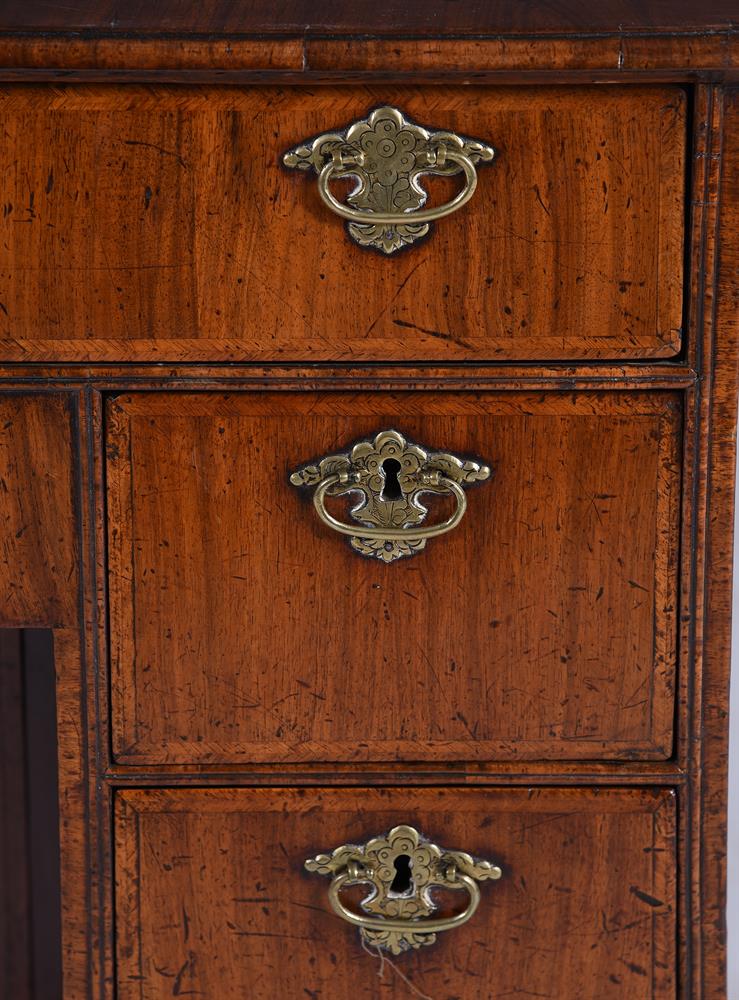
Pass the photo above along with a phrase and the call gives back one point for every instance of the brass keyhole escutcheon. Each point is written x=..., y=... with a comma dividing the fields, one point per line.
x=401, y=869
x=403, y=881
x=391, y=489
x=392, y=477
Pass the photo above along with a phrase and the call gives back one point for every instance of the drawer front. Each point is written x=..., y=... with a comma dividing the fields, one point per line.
x=244, y=629
x=162, y=225
x=212, y=898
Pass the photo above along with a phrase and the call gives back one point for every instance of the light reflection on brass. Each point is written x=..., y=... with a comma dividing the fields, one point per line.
x=390, y=474
x=401, y=920
x=387, y=155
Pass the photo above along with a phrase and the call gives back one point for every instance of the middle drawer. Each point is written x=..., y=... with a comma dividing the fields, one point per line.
x=246, y=630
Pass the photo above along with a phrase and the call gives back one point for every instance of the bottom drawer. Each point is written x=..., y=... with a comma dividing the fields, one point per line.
x=213, y=899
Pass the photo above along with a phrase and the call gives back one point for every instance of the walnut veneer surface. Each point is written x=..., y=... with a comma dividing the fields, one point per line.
x=183, y=324
x=157, y=209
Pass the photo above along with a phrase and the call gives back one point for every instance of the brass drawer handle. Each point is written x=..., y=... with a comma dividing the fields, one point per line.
x=401, y=218
x=390, y=474
x=388, y=154
x=402, y=868
x=391, y=534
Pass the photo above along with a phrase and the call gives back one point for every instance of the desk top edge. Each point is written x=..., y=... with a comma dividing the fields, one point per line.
x=379, y=18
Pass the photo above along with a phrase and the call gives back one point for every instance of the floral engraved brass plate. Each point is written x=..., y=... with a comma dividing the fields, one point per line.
x=390, y=474
x=402, y=869
x=388, y=154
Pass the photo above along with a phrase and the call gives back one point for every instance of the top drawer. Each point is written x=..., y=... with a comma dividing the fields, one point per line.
x=160, y=224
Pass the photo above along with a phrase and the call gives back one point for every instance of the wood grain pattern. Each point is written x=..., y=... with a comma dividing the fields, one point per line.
x=516, y=60
x=38, y=551
x=628, y=58
x=82, y=922
x=435, y=18
x=242, y=629
x=117, y=256
x=211, y=897
x=708, y=142
x=715, y=553
x=119, y=377
x=161, y=226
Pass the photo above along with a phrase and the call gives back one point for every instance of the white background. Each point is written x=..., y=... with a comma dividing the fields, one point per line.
x=733, y=914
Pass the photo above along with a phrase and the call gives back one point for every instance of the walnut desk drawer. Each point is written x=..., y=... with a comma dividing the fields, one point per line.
x=212, y=898
x=543, y=626
x=163, y=226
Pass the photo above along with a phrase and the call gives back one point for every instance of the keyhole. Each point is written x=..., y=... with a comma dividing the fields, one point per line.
x=402, y=881
x=391, y=487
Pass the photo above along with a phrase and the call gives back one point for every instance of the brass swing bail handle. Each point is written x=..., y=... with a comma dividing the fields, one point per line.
x=401, y=869
x=340, y=166
x=427, y=925
x=388, y=155
x=390, y=534
x=392, y=478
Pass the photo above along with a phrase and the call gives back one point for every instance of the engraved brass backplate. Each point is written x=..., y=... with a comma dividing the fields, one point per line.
x=402, y=868
x=390, y=474
x=388, y=154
